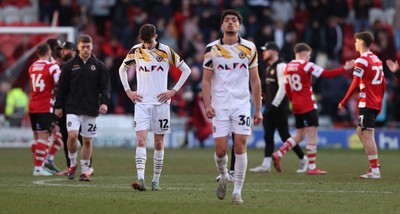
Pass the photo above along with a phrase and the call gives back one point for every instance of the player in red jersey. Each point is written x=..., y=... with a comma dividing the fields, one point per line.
x=368, y=75
x=299, y=91
x=43, y=77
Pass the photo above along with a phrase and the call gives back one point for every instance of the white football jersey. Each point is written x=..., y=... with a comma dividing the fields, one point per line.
x=230, y=65
x=152, y=67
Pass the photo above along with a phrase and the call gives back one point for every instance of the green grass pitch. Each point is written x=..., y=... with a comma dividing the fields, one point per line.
x=188, y=182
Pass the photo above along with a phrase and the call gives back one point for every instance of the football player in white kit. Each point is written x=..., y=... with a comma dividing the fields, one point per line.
x=152, y=61
x=230, y=64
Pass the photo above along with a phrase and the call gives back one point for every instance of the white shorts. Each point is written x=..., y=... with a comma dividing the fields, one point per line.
x=155, y=118
x=227, y=121
x=88, y=124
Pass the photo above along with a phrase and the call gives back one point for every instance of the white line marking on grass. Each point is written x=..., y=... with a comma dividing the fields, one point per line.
x=50, y=182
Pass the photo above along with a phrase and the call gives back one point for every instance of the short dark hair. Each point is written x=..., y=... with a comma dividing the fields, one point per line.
x=365, y=36
x=84, y=38
x=147, y=32
x=231, y=12
x=42, y=49
x=299, y=47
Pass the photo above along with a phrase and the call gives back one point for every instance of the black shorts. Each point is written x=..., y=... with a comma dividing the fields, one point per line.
x=41, y=121
x=367, y=118
x=307, y=119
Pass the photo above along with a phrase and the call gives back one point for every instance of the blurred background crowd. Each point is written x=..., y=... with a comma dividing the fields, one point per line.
x=187, y=26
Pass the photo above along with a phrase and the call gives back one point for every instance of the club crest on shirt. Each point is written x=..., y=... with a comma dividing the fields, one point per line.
x=92, y=67
x=272, y=72
x=159, y=58
x=242, y=55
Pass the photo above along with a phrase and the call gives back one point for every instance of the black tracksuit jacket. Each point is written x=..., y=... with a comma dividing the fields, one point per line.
x=83, y=87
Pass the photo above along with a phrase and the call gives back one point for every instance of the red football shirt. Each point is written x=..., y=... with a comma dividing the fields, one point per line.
x=298, y=85
x=372, y=81
x=43, y=76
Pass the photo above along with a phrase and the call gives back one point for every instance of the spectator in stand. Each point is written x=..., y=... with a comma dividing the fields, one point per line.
x=282, y=10
x=339, y=9
x=394, y=68
x=334, y=41
x=361, y=9
x=196, y=118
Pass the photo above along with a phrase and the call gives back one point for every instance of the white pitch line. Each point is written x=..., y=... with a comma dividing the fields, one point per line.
x=49, y=182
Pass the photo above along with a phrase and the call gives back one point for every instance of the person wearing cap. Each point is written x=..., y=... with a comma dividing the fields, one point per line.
x=298, y=88
x=68, y=51
x=276, y=111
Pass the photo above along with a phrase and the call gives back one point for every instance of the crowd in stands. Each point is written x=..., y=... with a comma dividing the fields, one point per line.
x=187, y=26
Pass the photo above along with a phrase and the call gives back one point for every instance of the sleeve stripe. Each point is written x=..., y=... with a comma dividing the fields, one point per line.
x=308, y=66
x=362, y=61
x=255, y=57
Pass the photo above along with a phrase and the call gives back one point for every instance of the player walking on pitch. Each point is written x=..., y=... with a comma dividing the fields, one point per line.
x=230, y=63
x=299, y=91
x=84, y=92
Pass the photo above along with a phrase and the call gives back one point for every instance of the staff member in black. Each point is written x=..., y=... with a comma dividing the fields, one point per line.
x=68, y=52
x=84, y=90
x=276, y=108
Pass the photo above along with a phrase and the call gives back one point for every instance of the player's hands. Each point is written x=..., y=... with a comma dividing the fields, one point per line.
x=341, y=107
x=103, y=109
x=58, y=112
x=349, y=64
x=393, y=66
x=134, y=96
x=210, y=112
x=165, y=96
x=257, y=118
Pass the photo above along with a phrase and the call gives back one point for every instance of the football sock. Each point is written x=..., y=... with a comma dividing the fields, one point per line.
x=57, y=144
x=222, y=165
x=33, y=150
x=158, y=164
x=311, y=155
x=141, y=158
x=289, y=144
x=72, y=158
x=84, y=166
x=373, y=163
x=40, y=152
x=266, y=162
x=240, y=172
